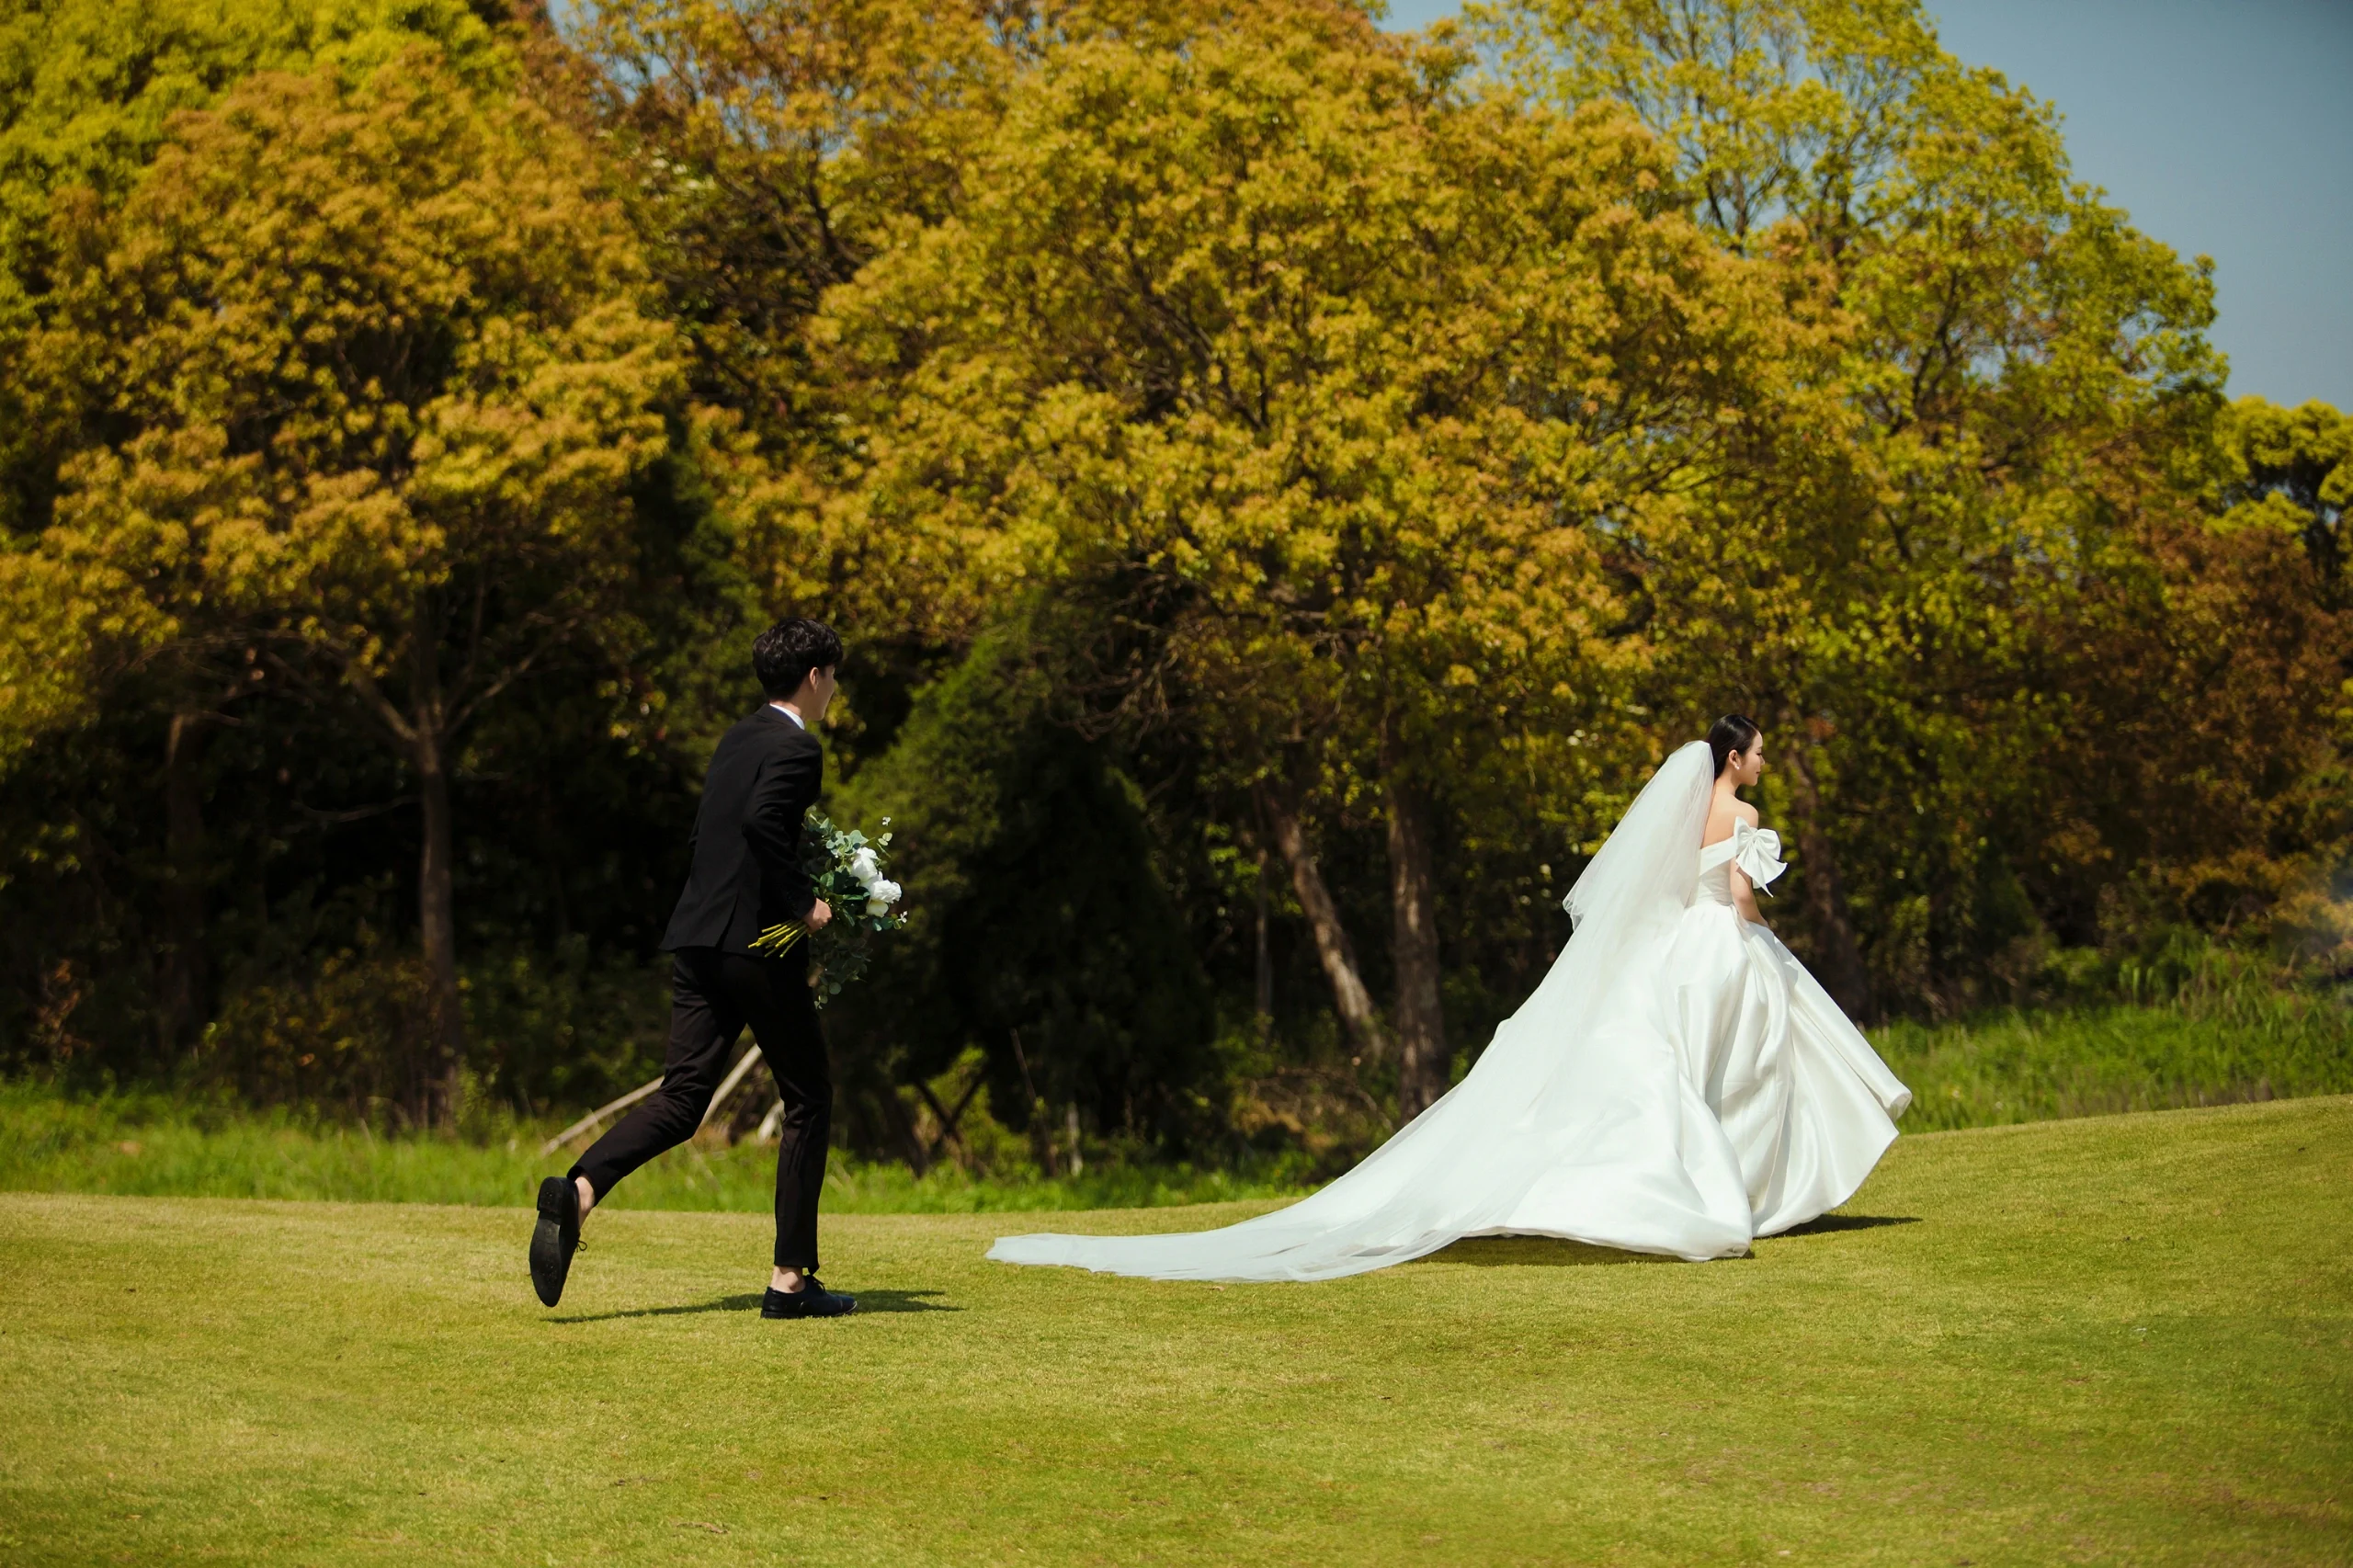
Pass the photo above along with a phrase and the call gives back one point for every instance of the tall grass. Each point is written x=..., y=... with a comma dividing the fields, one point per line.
x=2200, y=1027
x=150, y=1144
x=2205, y=1033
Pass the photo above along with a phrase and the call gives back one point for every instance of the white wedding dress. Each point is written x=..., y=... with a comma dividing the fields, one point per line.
x=1679, y=1084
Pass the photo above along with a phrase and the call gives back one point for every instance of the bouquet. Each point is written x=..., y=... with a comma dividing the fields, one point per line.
x=846, y=868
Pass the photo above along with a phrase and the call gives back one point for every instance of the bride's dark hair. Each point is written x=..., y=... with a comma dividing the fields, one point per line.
x=1728, y=734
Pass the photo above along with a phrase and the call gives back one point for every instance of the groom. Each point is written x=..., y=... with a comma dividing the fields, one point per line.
x=745, y=877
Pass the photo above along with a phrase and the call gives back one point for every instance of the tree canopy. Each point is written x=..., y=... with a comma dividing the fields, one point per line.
x=1283, y=485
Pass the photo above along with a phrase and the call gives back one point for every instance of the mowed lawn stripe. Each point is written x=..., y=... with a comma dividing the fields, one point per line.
x=2126, y=1339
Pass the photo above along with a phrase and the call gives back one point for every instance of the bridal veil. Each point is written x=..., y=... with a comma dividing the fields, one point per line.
x=1581, y=1120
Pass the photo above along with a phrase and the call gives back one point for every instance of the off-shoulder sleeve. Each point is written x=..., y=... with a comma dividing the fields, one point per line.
x=1757, y=851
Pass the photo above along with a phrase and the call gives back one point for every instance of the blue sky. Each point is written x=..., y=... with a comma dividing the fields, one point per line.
x=2224, y=127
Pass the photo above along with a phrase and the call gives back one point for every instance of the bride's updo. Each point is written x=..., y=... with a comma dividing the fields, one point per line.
x=1728, y=734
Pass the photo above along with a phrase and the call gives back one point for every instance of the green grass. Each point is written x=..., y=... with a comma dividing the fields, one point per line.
x=2124, y=1339
x=2242, y=1044
x=148, y=1146
x=2224, y=1044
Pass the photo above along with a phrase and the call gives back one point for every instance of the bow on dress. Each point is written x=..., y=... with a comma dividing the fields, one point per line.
x=1757, y=851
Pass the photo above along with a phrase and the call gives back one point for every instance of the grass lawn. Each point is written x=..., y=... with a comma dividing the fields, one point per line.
x=146, y=1145
x=2126, y=1339
x=2242, y=1042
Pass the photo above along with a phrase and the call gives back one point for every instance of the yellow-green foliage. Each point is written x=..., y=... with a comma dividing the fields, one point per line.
x=376, y=345
x=1400, y=440
x=90, y=88
x=1341, y=377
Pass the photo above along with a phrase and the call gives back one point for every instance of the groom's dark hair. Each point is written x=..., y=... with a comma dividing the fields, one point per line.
x=783, y=655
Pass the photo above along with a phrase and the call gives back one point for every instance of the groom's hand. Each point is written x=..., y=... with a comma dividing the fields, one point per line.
x=819, y=913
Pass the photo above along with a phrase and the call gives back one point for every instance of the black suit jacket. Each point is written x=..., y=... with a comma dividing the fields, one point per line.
x=744, y=873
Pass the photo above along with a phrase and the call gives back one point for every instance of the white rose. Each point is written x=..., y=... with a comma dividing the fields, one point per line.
x=878, y=907
x=865, y=868
x=887, y=891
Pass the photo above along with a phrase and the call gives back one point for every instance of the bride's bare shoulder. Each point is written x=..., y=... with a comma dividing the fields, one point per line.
x=1722, y=820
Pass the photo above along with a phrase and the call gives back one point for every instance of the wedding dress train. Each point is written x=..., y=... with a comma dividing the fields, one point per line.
x=1677, y=1084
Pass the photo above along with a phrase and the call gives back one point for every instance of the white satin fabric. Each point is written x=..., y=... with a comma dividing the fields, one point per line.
x=1677, y=1084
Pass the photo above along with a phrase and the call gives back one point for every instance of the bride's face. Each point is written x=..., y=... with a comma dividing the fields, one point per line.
x=1747, y=767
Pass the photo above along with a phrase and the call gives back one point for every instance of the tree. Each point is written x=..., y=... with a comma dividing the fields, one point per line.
x=2013, y=366
x=1335, y=385
x=86, y=91
x=2292, y=467
x=1044, y=930
x=773, y=146
x=382, y=382
x=775, y=149
x=88, y=88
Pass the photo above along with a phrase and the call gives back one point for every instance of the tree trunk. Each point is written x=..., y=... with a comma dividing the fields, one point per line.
x=1265, y=995
x=1331, y=944
x=180, y=1000
x=436, y=923
x=1041, y=1135
x=1422, y=1058
x=1839, y=961
x=429, y=737
x=903, y=1121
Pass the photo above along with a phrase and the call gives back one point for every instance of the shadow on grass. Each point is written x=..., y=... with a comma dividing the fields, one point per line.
x=1534, y=1252
x=749, y=1301
x=1829, y=1222
x=900, y=1301
x=1546, y=1252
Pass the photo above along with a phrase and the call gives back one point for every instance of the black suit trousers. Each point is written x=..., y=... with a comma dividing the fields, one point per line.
x=712, y=996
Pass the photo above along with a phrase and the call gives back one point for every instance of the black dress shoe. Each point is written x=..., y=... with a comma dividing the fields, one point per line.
x=812, y=1301
x=555, y=1238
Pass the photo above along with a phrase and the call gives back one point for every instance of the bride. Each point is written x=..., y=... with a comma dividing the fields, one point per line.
x=1677, y=1084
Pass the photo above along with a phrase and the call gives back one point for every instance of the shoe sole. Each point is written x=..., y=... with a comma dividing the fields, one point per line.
x=550, y=1263
x=786, y=1317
